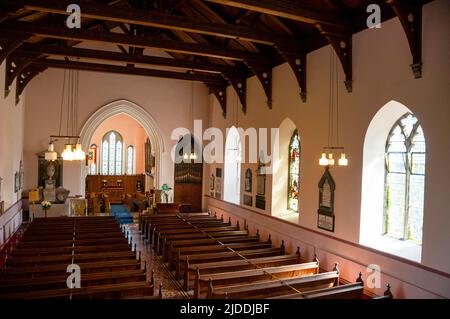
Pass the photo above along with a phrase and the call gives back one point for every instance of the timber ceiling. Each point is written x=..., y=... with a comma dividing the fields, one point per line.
x=217, y=42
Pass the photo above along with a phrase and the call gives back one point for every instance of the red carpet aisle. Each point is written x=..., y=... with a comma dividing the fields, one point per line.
x=171, y=288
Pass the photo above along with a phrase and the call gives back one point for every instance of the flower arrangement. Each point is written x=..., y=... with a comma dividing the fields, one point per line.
x=46, y=204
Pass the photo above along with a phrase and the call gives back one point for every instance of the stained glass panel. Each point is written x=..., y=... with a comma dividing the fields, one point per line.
x=119, y=158
x=105, y=157
x=294, y=172
x=130, y=160
x=405, y=180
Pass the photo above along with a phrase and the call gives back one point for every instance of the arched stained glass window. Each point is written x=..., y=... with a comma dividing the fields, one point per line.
x=112, y=150
x=405, y=180
x=294, y=172
x=93, y=167
x=130, y=160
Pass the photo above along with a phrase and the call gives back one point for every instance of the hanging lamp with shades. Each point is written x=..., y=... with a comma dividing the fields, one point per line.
x=327, y=158
x=193, y=155
x=69, y=96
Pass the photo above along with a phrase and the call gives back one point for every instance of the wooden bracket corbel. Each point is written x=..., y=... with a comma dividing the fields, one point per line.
x=342, y=45
x=25, y=77
x=264, y=75
x=297, y=62
x=14, y=66
x=239, y=85
x=221, y=94
x=410, y=15
x=9, y=46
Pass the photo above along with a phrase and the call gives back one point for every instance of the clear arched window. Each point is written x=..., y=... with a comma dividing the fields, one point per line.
x=112, y=158
x=93, y=167
x=130, y=160
x=405, y=180
x=232, y=169
x=294, y=172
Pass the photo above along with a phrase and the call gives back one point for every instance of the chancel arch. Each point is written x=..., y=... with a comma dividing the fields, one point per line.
x=138, y=114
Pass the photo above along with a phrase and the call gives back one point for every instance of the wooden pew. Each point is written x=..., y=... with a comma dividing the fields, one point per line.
x=347, y=291
x=161, y=242
x=272, y=288
x=223, y=256
x=111, y=291
x=76, y=242
x=29, y=261
x=69, y=249
x=150, y=227
x=173, y=254
x=58, y=282
x=61, y=269
x=253, y=275
x=190, y=269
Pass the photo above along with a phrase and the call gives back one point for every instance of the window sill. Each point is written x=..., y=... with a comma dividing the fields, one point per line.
x=290, y=216
x=402, y=248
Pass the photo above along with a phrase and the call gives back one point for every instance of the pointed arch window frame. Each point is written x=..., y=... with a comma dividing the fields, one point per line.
x=112, y=168
x=133, y=155
x=295, y=134
x=408, y=156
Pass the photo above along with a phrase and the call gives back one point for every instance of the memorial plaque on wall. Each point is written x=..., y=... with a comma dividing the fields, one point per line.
x=325, y=213
x=260, y=202
x=248, y=200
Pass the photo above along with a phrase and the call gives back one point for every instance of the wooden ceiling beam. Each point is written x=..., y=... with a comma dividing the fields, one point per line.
x=22, y=28
x=108, y=68
x=57, y=51
x=151, y=19
x=288, y=9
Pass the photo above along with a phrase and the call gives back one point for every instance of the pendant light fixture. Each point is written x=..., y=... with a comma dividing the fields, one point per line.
x=333, y=120
x=72, y=152
x=191, y=156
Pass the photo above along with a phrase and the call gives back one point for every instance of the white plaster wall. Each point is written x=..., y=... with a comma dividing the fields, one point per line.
x=381, y=73
x=11, y=139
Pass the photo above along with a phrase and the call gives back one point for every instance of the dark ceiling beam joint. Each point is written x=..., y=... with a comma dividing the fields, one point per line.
x=410, y=15
x=239, y=85
x=14, y=66
x=25, y=77
x=264, y=74
x=220, y=92
x=8, y=46
x=342, y=46
x=297, y=61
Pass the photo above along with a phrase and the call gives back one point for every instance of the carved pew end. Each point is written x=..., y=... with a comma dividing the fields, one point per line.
x=388, y=292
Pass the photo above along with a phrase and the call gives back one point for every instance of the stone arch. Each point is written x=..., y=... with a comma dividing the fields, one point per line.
x=137, y=113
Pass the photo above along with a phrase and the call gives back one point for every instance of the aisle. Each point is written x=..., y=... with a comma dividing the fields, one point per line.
x=171, y=287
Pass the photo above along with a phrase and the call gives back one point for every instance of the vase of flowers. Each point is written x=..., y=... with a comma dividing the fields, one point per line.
x=46, y=206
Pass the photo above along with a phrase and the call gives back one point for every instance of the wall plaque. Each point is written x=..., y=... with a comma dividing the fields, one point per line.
x=327, y=186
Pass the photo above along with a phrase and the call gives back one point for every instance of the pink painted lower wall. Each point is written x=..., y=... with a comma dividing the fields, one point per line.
x=133, y=134
x=407, y=279
x=381, y=73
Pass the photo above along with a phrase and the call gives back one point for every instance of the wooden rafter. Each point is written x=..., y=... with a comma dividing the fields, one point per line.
x=21, y=28
x=57, y=51
x=151, y=19
x=108, y=68
x=293, y=10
